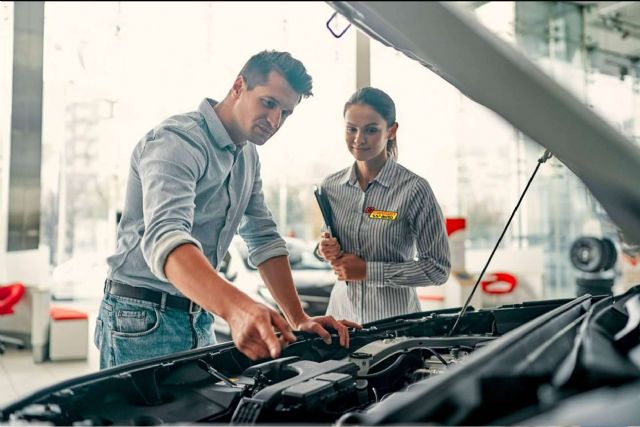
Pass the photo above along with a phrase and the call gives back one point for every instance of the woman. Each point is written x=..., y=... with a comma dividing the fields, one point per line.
x=387, y=219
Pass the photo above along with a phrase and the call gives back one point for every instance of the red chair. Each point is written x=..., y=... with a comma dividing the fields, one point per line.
x=9, y=296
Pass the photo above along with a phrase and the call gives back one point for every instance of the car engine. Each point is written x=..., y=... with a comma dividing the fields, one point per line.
x=225, y=387
x=287, y=390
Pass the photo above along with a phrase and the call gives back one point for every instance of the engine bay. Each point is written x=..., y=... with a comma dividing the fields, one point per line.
x=220, y=385
x=357, y=382
x=505, y=365
x=284, y=390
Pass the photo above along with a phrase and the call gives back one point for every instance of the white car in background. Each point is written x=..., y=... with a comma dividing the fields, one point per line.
x=80, y=278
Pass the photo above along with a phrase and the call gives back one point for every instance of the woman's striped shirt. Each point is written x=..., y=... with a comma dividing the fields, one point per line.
x=397, y=227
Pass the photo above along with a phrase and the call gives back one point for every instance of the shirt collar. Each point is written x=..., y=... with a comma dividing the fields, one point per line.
x=220, y=136
x=384, y=177
x=387, y=173
x=349, y=176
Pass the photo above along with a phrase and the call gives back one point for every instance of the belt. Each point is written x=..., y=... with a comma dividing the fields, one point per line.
x=144, y=294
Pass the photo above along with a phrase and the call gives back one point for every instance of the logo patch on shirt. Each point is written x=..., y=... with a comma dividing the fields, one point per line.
x=386, y=215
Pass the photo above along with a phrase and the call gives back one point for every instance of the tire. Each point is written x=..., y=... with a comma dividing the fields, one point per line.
x=588, y=254
x=612, y=254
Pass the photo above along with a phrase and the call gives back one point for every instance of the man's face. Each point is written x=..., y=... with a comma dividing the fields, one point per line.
x=261, y=111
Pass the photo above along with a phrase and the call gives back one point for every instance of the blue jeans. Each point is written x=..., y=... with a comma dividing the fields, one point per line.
x=129, y=329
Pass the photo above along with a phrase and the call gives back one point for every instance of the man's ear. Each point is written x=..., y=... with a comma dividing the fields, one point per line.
x=238, y=86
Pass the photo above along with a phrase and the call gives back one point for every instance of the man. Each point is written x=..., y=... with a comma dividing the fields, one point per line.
x=194, y=181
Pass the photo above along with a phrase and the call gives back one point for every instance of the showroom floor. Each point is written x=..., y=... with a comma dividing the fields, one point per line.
x=20, y=375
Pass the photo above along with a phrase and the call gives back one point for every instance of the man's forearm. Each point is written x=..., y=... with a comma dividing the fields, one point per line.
x=276, y=273
x=189, y=270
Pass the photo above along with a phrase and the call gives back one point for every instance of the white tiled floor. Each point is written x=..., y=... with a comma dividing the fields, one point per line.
x=20, y=375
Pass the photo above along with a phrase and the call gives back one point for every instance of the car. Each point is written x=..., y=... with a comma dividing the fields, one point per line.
x=314, y=279
x=530, y=363
x=551, y=362
x=81, y=277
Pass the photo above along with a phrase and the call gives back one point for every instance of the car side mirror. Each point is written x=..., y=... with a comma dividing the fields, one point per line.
x=226, y=268
x=295, y=258
x=231, y=276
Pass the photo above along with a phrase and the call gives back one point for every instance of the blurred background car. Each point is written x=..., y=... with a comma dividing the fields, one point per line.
x=80, y=278
x=314, y=279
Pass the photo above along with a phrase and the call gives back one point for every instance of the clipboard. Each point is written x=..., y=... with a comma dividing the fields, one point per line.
x=325, y=209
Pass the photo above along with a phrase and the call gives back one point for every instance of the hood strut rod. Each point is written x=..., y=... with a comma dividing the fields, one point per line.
x=546, y=156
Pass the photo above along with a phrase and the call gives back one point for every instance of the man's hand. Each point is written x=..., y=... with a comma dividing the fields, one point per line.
x=350, y=267
x=252, y=328
x=329, y=248
x=318, y=324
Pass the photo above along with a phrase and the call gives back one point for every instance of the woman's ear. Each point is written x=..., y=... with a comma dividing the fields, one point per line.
x=392, y=131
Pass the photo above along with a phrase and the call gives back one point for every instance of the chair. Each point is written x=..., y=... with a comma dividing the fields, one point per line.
x=9, y=296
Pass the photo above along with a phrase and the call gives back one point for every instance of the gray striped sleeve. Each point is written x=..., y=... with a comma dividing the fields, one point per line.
x=432, y=264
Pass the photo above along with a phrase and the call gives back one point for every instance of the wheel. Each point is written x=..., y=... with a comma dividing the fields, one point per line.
x=612, y=254
x=588, y=254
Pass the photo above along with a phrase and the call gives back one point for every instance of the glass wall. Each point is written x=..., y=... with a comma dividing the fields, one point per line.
x=478, y=164
x=113, y=70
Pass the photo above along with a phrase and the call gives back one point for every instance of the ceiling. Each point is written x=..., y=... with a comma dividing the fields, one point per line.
x=611, y=34
x=613, y=26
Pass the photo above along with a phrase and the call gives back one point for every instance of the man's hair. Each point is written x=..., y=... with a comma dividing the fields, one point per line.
x=256, y=71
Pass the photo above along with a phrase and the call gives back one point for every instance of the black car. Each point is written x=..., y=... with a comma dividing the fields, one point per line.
x=543, y=363
x=556, y=362
x=314, y=279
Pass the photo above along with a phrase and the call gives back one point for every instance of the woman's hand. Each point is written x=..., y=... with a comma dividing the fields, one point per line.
x=329, y=248
x=350, y=267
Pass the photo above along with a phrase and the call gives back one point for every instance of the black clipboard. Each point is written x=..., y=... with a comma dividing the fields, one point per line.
x=325, y=209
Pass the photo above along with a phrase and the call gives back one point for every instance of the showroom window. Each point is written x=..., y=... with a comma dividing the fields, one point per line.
x=478, y=164
x=113, y=70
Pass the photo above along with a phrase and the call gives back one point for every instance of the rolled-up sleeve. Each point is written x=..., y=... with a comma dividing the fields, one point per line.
x=258, y=229
x=170, y=166
x=432, y=264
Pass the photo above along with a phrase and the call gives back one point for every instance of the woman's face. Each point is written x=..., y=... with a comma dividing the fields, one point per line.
x=366, y=133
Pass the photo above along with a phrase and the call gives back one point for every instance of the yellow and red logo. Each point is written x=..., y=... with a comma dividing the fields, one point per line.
x=378, y=214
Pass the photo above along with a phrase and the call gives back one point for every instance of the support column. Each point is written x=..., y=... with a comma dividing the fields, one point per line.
x=363, y=60
x=26, y=127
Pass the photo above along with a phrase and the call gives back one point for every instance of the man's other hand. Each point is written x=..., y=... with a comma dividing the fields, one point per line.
x=318, y=324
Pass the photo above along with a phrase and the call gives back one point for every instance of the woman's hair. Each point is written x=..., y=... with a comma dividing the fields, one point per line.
x=383, y=105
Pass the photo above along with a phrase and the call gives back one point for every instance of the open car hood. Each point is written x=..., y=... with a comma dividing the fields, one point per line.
x=454, y=45
x=560, y=362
